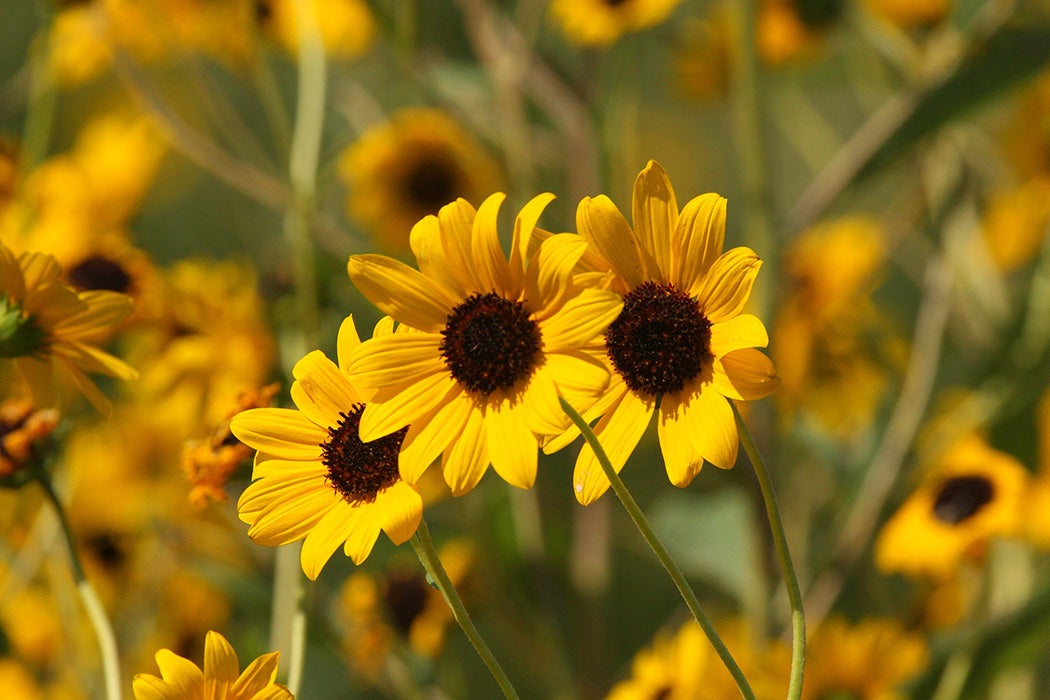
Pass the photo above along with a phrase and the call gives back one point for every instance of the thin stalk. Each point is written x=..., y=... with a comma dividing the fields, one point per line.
x=428, y=557
x=776, y=525
x=673, y=570
x=107, y=641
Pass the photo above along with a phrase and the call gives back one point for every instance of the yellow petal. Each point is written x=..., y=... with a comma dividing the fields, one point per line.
x=282, y=522
x=286, y=486
x=102, y=311
x=431, y=434
x=465, y=463
x=743, y=331
x=714, y=427
x=581, y=320
x=399, y=510
x=401, y=291
x=429, y=249
x=88, y=388
x=618, y=431
x=512, y=446
x=259, y=674
x=267, y=466
x=361, y=539
x=147, y=687
x=273, y=692
x=403, y=409
x=181, y=673
x=455, y=223
x=491, y=273
x=549, y=277
x=602, y=225
x=724, y=290
x=395, y=360
x=675, y=427
x=326, y=536
x=746, y=375
x=347, y=341
x=321, y=391
x=220, y=660
x=281, y=432
x=654, y=211
x=579, y=378
x=522, y=239
x=699, y=238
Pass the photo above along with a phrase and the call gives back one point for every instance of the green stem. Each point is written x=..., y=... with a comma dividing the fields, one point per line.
x=673, y=570
x=107, y=641
x=776, y=525
x=428, y=557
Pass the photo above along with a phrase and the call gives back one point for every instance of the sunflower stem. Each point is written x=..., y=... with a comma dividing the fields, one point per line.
x=787, y=568
x=428, y=557
x=654, y=542
x=107, y=641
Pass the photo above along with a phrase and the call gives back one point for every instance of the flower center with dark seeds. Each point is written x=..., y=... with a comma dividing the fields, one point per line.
x=405, y=597
x=432, y=182
x=357, y=470
x=961, y=497
x=99, y=273
x=660, y=340
x=490, y=343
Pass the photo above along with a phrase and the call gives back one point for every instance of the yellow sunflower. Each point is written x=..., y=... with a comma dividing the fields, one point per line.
x=47, y=328
x=973, y=494
x=869, y=660
x=347, y=27
x=314, y=477
x=602, y=22
x=221, y=678
x=409, y=167
x=681, y=347
x=492, y=343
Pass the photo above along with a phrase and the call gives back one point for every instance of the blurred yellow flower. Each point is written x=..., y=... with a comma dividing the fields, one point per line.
x=23, y=430
x=869, y=660
x=685, y=666
x=48, y=330
x=1015, y=223
x=492, y=343
x=682, y=347
x=972, y=494
x=221, y=678
x=790, y=29
x=347, y=26
x=18, y=683
x=314, y=478
x=402, y=170
x=704, y=56
x=910, y=13
x=601, y=22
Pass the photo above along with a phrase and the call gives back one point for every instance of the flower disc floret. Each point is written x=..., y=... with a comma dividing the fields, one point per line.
x=660, y=340
x=490, y=343
x=360, y=470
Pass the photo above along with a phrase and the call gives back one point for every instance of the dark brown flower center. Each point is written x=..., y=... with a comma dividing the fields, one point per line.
x=433, y=181
x=819, y=14
x=660, y=340
x=490, y=343
x=99, y=273
x=357, y=470
x=405, y=597
x=961, y=497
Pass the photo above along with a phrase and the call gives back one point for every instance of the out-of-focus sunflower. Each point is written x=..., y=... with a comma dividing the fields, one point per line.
x=314, y=477
x=789, y=29
x=682, y=347
x=492, y=343
x=972, y=494
x=704, y=55
x=907, y=14
x=685, y=665
x=869, y=660
x=602, y=22
x=411, y=166
x=1015, y=222
x=221, y=678
x=46, y=328
x=347, y=27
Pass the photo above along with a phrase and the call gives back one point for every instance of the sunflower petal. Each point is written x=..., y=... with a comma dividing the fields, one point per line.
x=147, y=687
x=400, y=291
x=399, y=510
x=602, y=225
x=281, y=432
x=181, y=673
x=403, y=409
x=698, y=239
x=466, y=462
x=724, y=290
x=548, y=281
x=220, y=660
x=654, y=211
x=393, y=361
x=713, y=428
x=522, y=243
x=260, y=673
x=743, y=331
x=746, y=375
x=618, y=431
x=513, y=449
x=431, y=434
x=455, y=224
x=325, y=537
x=321, y=391
x=347, y=341
x=283, y=522
x=490, y=262
x=675, y=427
x=581, y=320
x=360, y=540
x=429, y=249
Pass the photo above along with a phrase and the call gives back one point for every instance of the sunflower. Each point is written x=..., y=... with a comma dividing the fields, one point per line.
x=491, y=343
x=314, y=477
x=409, y=167
x=684, y=665
x=681, y=346
x=221, y=678
x=602, y=22
x=973, y=494
x=46, y=327
x=347, y=27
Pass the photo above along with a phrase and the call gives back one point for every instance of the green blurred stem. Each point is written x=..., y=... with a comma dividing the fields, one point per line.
x=107, y=641
x=776, y=525
x=673, y=570
x=428, y=557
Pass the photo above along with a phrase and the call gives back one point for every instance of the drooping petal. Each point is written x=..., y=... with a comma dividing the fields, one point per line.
x=602, y=225
x=403, y=409
x=103, y=310
x=220, y=660
x=743, y=331
x=578, y=377
x=491, y=273
x=581, y=320
x=282, y=522
x=746, y=375
x=395, y=360
x=260, y=673
x=399, y=510
x=468, y=458
x=618, y=431
x=698, y=239
x=549, y=280
x=428, y=437
x=321, y=391
x=513, y=449
x=654, y=211
x=724, y=290
x=360, y=540
x=347, y=341
x=400, y=291
x=676, y=426
x=304, y=484
x=714, y=427
x=327, y=536
x=282, y=432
